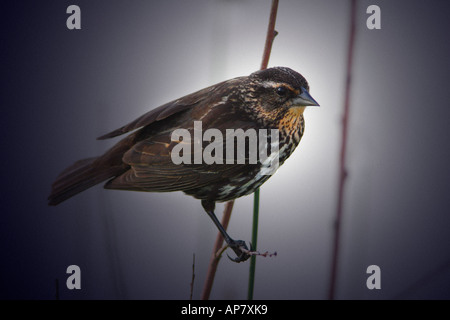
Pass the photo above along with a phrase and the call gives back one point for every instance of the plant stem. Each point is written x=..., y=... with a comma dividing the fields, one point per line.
x=251, y=278
x=271, y=33
x=343, y=170
x=193, y=276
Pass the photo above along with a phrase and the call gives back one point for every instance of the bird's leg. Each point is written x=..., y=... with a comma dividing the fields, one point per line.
x=235, y=245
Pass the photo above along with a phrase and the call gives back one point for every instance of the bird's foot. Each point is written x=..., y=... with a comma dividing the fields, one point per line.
x=240, y=249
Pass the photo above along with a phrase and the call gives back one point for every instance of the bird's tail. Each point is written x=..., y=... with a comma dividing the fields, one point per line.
x=80, y=176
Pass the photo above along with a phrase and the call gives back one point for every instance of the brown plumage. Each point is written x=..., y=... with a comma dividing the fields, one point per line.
x=274, y=98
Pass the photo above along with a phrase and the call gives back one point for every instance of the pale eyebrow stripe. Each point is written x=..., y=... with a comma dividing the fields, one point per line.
x=272, y=84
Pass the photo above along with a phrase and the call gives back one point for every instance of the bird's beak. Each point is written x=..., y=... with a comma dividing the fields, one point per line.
x=304, y=99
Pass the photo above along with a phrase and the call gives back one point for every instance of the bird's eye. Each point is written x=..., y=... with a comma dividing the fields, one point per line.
x=281, y=91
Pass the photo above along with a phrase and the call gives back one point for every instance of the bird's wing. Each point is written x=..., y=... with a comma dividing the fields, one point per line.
x=152, y=168
x=166, y=110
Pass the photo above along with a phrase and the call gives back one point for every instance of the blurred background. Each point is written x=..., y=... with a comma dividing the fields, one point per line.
x=63, y=88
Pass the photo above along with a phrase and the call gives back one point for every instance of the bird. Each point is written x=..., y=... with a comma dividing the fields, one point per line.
x=271, y=99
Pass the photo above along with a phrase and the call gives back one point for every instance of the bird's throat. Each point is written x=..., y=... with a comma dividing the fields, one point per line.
x=292, y=120
x=295, y=111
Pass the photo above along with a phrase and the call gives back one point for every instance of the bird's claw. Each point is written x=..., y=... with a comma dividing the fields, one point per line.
x=241, y=250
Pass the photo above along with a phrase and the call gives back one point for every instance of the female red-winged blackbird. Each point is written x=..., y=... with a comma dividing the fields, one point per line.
x=274, y=98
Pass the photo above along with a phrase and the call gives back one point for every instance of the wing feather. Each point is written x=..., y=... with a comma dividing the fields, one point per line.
x=152, y=168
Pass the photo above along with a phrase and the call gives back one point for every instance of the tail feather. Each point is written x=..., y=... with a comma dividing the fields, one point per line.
x=80, y=176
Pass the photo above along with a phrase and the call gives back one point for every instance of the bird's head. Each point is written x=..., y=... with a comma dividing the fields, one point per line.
x=276, y=92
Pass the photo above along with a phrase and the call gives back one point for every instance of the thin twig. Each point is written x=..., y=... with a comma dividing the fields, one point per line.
x=249, y=252
x=257, y=253
x=193, y=276
x=214, y=260
x=342, y=165
x=271, y=33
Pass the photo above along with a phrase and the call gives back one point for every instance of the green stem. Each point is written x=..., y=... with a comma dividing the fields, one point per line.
x=251, y=280
x=270, y=36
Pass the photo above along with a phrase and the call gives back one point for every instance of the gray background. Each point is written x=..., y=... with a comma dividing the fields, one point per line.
x=63, y=88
